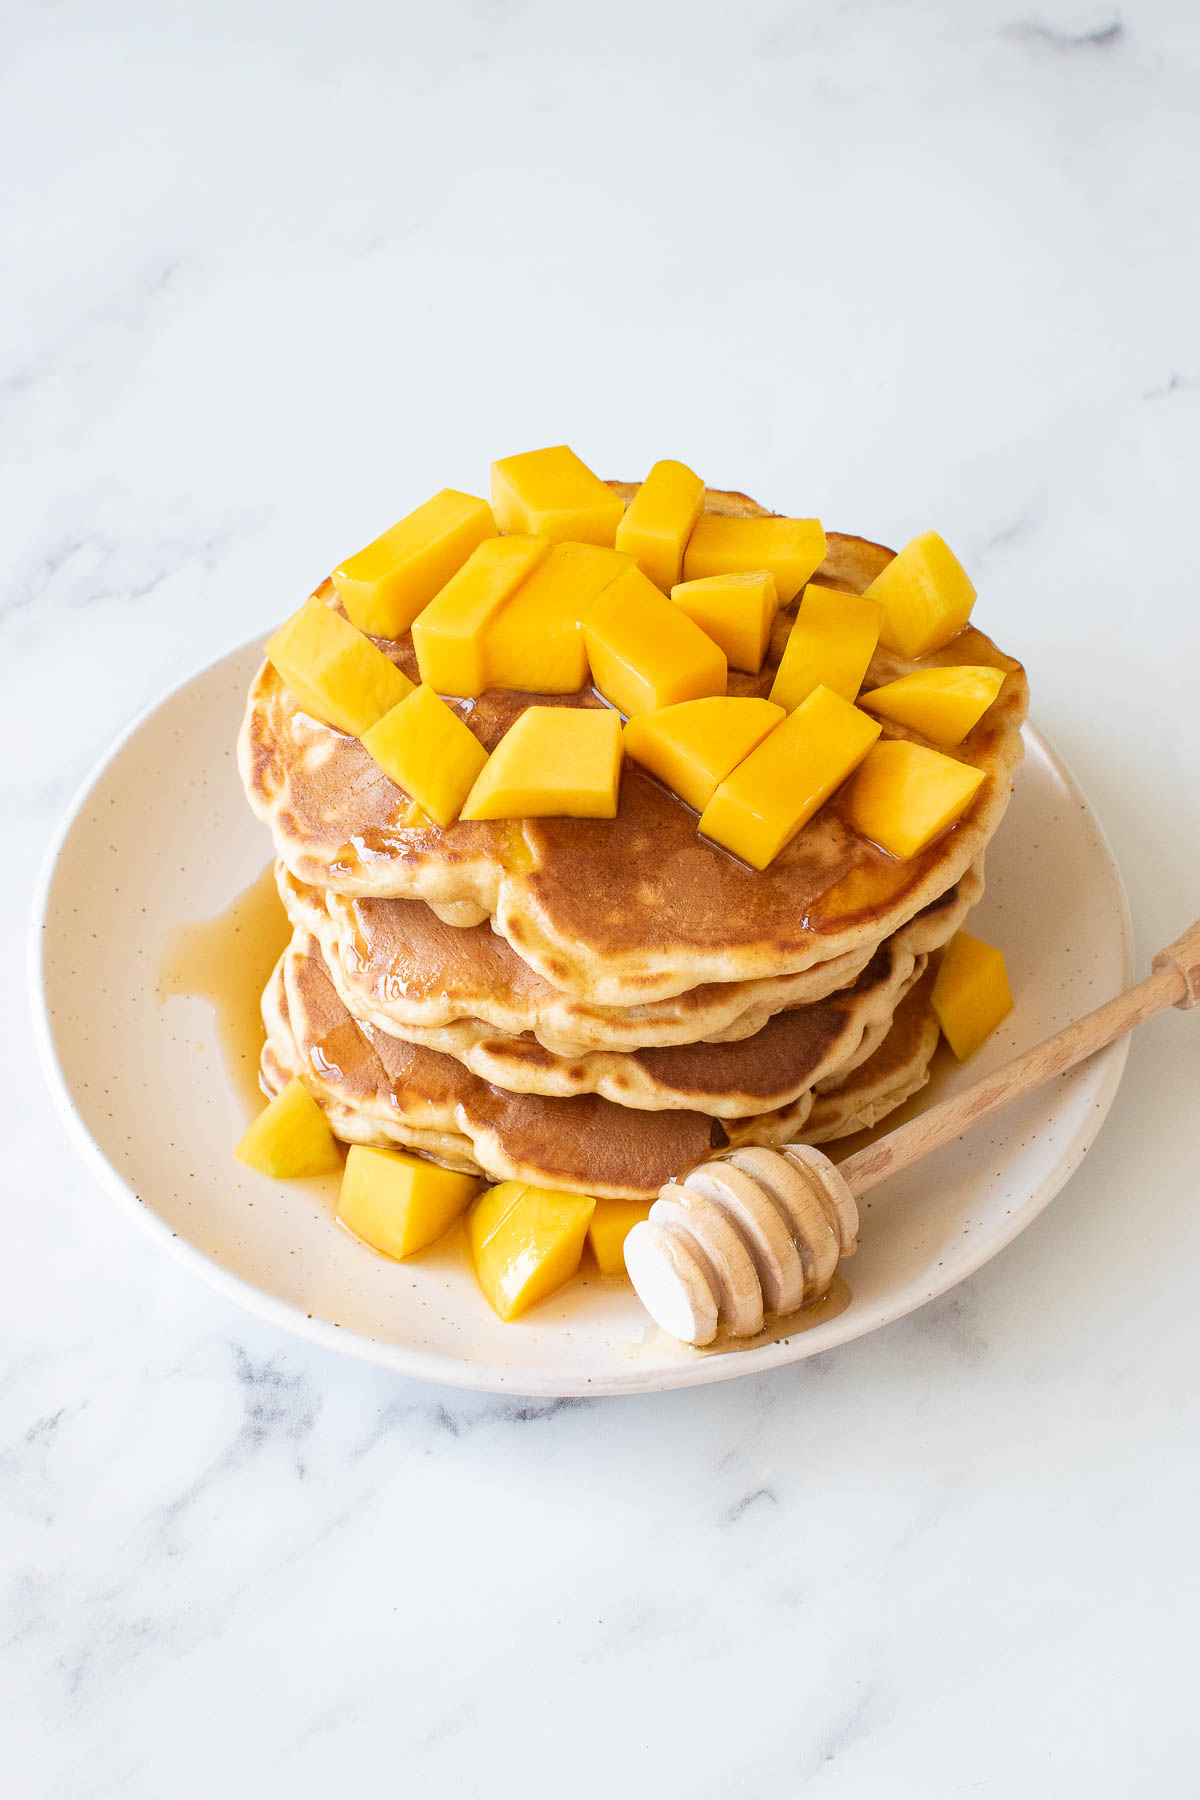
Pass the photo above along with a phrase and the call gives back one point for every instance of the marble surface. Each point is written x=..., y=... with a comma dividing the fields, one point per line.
x=273, y=272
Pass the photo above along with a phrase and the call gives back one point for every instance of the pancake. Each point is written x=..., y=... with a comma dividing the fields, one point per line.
x=639, y=908
x=896, y=1071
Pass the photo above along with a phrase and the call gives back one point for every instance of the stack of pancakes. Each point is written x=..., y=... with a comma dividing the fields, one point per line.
x=600, y=1004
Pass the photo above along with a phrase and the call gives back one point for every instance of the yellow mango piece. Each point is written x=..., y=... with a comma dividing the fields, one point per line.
x=398, y=1203
x=830, y=645
x=554, y=495
x=552, y=760
x=942, y=704
x=792, y=549
x=692, y=747
x=970, y=993
x=763, y=804
x=645, y=653
x=525, y=1242
x=904, y=796
x=448, y=635
x=611, y=1224
x=659, y=519
x=333, y=671
x=925, y=594
x=290, y=1137
x=384, y=587
x=424, y=747
x=534, y=642
x=736, y=611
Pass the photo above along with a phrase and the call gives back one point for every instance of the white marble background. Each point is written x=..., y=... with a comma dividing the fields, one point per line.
x=271, y=273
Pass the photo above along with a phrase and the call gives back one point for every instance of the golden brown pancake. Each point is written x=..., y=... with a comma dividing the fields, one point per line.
x=898, y=1069
x=639, y=908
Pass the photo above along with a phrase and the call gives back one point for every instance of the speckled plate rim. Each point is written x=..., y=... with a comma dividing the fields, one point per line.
x=1105, y=1069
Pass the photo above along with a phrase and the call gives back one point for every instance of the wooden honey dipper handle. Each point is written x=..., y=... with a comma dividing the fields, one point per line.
x=1174, y=981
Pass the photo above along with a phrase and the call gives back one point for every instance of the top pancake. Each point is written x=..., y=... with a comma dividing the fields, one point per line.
x=638, y=908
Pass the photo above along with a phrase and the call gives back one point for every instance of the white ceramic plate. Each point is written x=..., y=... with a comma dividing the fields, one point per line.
x=161, y=834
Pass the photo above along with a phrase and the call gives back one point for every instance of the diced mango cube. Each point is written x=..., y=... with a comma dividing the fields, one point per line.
x=763, y=804
x=290, y=1137
x=448, y=635
x=552, y=760
x=645, y=653
x=333, y=671
x=830, y=645
x=925, y=594
x=693, y=746
x=398, y=1203
x=553, y=494
x=424, y=747
x=970, y=993
x=736, y=611
x=611, y=1224
x=525, y=1242
x=942, y=704
x=904, y=796
x=792, y=549
x=659, y=519
x=384, y=587
x=535, y=641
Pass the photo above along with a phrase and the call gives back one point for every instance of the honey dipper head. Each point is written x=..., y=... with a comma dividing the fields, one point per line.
x=751, y=1232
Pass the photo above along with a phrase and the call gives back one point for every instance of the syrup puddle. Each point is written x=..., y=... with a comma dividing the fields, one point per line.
x=658, y=1344
x=227, y=960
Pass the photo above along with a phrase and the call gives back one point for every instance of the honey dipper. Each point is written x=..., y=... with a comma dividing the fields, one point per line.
x=756, y=1231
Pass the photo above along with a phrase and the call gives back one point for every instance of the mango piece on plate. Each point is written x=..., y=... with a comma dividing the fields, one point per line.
x=554, y=495
x=942, y=704
x=904, y=796
x=424, y=747
x=737, y=612
x=535, y=641
x=970, y=993
x=333, y=671
x=525, y=1242
x=398, y=1203
x=290, y=1137
x=925, y=594
x=645, y=653
x=384, y=587
x=830, y=645
x=611, y=1224
x=659, y=519
x=693, y=746
x=763, y=804
x=448, y=636
x=552, y=760
x=792, y=549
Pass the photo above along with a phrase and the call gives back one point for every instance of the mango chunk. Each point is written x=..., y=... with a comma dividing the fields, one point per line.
x=970, y=993
x=525, y=1242
x=925, y=594
x=535, y=642
x=424, y=747
x=384, y=587
x=659, y=521
x=554, y=495
x=942, y=704
x=552, y=760
x=290, y=1137
x=333, y=671
x=692, y=747
x=763, y=804
x=448, y=636
x=398, y=1203
x=830, y=645
x=645, y=653
x=737, y=612
x=904, y=796
x=611, y=1224
x=792, y=549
